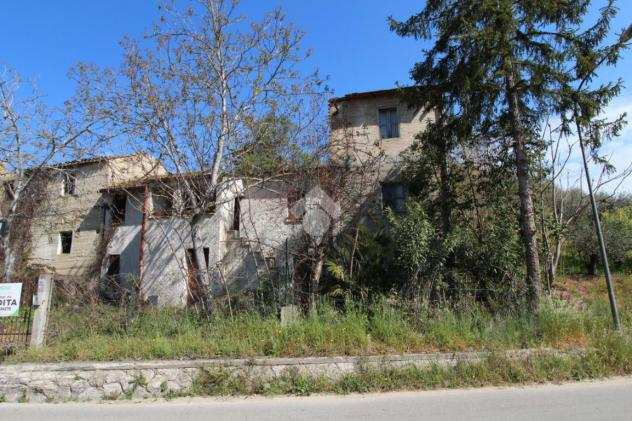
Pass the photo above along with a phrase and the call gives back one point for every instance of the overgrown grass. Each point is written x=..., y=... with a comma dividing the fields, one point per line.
x=109, y=333
x=612, y=357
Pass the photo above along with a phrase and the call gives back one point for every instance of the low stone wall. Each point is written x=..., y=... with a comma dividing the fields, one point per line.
x=83, y=381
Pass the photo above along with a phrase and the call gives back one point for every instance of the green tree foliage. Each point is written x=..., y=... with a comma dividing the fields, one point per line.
x=270, y=149
x=617, y=228
x=506, y=62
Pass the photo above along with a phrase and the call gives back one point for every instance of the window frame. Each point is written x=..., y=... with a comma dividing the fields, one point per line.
x=66, y=183
x=391, y=134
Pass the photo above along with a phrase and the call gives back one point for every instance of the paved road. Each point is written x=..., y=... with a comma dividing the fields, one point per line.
x=604, y=400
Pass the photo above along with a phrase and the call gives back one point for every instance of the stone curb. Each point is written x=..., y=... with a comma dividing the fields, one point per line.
x=80, y=381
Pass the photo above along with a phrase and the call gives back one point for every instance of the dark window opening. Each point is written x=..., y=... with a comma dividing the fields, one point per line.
x=389, y=123
x=9, y=190
x=206, y=251
x=194, y=284
x=394, y=197
x=112, y=289
x=65, y=240
x=69, y=186
x=294, y=202
x=114, y=265
x=237, y=214
x=119, y=201
x=271, y=262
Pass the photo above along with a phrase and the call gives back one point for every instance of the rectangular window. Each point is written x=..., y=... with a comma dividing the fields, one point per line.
x=69, y=185
x=237, y=214
x=112, y=288
x=389, y=123
x=295, y=206
x=394, y=197
x=118, y=209
x=207, y=255
x=194, y=281
x=65, y=242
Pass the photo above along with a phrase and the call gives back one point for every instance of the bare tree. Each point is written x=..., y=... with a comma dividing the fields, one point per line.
x=33, y=138
x=561, y=196
x=192, y=91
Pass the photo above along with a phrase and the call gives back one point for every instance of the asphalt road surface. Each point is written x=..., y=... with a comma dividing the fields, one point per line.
x=603, y=400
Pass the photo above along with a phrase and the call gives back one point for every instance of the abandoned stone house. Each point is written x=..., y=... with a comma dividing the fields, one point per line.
x=66, y=230
x=109, y=217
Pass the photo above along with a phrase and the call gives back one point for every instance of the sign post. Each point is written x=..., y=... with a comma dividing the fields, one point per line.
x=10, y=295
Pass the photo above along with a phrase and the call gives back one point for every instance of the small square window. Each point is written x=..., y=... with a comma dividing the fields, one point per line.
x=389, y=123
x=65, y=242
x=69, y=185
x=394, y=197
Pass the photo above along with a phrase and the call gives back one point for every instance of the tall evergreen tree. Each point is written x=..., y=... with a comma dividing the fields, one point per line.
x=507, y=62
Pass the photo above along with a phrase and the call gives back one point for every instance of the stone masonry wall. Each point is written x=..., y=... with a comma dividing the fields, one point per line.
x=83, y=381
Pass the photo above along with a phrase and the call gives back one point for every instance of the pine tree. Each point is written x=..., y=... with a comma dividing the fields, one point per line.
x=506, y=61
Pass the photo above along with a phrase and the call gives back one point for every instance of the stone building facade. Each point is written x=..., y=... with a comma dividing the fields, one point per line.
x=66, y=228
x=374, y=124
x=372, y=130
x=107, y=218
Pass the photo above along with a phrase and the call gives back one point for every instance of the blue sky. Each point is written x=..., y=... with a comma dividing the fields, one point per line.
x=350, y=40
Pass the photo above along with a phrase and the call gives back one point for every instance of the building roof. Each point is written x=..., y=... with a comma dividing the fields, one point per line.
x=368, y=94
x=92, y=160
x=148, y=179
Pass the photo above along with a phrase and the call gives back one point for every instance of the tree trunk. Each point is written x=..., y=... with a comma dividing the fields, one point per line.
x=202, y=276
x=10, y=259
x=446, y=220
x=527, y=218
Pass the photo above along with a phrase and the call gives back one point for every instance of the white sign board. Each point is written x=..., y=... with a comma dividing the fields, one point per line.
x=10, y=295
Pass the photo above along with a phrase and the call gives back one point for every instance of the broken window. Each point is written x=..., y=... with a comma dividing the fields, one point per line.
x=65, y=242
x=394, y=197
x=69, y=185
x=389, y=123
x=118, y=208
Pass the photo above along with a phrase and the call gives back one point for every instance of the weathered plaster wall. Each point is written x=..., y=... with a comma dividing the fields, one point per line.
x=164, y=280
x=241, y=256
x=265, y=218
